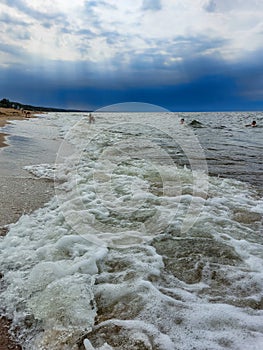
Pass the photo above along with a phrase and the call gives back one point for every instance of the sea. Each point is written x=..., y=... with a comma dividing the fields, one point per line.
x=153, y=240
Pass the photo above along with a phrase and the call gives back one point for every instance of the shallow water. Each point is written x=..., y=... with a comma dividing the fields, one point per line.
x=141, y=248
x=29, y=140
x=232, y=150
x=36, y=139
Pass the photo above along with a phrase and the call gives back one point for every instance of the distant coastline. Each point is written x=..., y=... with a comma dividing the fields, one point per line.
x=6, y=103
x=12, y=110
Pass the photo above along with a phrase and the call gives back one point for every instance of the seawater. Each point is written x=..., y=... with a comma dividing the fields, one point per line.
x=31, y=140
x=153, y=240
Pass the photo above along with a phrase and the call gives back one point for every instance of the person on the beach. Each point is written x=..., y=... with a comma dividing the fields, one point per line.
x=91, y=118
x=253, y=124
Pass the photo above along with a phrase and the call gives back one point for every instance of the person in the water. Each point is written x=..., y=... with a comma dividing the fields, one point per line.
x=253, y=124
x=91, y=118
x=196, y=124
x=182, y=121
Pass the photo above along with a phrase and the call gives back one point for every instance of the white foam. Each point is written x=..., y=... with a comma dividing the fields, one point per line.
x=46, y=171
x=88, y=346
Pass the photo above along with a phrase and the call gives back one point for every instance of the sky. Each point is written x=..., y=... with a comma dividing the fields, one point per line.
x=181, y=55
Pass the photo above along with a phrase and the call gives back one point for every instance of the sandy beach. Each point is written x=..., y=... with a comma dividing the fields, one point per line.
x=18, y=196
x=8, y=114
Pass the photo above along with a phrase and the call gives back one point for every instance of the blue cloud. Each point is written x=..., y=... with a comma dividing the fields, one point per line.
x=23, y=35
x=17, y=28
x=14, y=50
x=7, y=19
x=152, y=5
x=112, y=37
x=85, y=32
x=90, y=7
x=46, y=19
x=98, y=3
x=210, y=6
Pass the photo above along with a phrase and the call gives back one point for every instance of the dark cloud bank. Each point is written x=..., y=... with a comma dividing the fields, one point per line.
x=200, y=84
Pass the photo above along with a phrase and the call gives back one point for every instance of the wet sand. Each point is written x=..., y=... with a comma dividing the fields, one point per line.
x=19, y=195
x=8, y=114
x=2, y=140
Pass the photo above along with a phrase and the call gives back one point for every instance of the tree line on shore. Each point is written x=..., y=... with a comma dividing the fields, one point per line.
x=6, y=103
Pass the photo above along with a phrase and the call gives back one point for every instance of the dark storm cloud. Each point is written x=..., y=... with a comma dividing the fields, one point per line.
x=179, y=59
x=178, y=87
x=249, y=76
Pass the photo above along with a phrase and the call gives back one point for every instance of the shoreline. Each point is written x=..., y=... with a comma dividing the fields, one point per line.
x=18, y=196
x=3, y=140
x=9, y=114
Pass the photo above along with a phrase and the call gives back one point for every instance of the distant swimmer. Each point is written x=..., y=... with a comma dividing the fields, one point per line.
x=253, y=124
x=196, y=124
x=91, y=118
x=182, y=121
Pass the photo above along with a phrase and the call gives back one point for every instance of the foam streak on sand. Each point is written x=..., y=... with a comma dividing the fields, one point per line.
x=136, y=251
